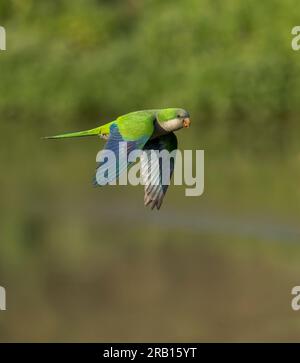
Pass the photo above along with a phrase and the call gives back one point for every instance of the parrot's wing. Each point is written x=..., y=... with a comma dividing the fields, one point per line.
x=119, y=134
x=152, y=169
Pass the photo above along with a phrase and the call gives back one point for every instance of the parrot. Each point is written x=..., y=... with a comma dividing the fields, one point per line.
x=145, y=130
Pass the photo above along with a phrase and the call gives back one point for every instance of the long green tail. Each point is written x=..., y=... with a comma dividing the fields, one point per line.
x=91, y=132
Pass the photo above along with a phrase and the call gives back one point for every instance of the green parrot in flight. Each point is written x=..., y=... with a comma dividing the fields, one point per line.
x=145, y=130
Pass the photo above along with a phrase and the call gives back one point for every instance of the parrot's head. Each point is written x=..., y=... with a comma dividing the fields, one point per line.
x=173, y=119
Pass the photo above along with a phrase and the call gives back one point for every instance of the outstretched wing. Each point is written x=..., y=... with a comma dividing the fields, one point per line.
x=126, y=134
x=156, y=170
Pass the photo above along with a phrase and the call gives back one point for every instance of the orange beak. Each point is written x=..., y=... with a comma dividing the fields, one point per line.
x=186, y=122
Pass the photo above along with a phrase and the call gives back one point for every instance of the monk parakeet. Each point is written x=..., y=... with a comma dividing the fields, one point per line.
x=142, y=130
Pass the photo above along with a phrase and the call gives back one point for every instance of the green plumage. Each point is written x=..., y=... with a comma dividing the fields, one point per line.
x=146, y=129
x=131, y=125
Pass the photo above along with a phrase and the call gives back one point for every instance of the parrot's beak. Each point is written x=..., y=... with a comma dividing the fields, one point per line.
x=186, y=122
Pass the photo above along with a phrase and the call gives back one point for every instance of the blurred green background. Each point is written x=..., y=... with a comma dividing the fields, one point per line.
x=86, y=264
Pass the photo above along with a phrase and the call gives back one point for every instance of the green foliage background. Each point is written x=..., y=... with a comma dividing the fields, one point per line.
x=92, y=264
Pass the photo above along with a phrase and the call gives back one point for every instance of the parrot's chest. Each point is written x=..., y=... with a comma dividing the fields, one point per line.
x=164, y=128
x=159, y=130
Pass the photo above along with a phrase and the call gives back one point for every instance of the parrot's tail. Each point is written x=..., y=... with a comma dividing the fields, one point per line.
x=91, y=132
